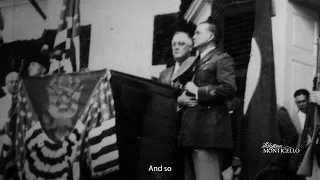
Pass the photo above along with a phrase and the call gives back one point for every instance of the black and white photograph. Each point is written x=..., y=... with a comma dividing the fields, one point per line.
x=159, y=89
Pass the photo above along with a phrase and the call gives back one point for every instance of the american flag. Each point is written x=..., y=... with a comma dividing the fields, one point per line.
x=90, y=144
x=260, y=104
x=68, y=36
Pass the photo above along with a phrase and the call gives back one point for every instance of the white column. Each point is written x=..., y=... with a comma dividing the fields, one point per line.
x=279, y=26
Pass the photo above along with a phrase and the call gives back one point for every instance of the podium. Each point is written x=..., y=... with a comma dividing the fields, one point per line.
x=147, y=127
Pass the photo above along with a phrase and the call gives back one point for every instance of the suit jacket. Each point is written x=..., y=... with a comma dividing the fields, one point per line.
x=235, y=107
x=208, y=124
x=288, y=133
x=182, y=76
x=165, y=76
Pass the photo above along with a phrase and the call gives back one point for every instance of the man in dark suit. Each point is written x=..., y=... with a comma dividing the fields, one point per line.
x=180, y=73
x=235, y=107
x=206, y=132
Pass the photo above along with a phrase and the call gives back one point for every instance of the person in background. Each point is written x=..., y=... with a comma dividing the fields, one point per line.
x=279, y=166
x=301, y=97
x=289, y=138
x=5, y=106
x=37, y=68
x=6, y=101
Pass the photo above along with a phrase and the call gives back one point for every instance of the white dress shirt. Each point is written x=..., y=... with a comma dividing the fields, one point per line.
x=65, y=63
x=176, y=68
x=302, y=118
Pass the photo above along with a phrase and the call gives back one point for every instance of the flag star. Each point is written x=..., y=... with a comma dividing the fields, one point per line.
x=64, y=8
x=29, y=115
x=61, y=22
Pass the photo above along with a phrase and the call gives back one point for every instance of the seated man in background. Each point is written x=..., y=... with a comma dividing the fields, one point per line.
x=6, y=101
x=38, y=67
x=5, y=106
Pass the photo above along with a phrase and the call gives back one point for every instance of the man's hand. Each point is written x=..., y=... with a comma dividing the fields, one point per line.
x=188, y=101
x=228, y=174
x=315, y=97
x=192, y=88
x=236, y=166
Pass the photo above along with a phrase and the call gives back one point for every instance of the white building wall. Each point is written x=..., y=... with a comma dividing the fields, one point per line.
x=279, y=26
x=301, y=50
x=122, y=32
x=21, y=21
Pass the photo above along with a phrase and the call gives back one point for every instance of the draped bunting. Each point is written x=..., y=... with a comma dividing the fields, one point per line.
x=63, y=121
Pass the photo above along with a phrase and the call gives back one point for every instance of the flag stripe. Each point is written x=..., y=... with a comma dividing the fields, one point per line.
x=102, y=138
x=104, y=149
x=61, y=37
x=67, y=39
x=111, y=166
x=104, y=141
x=106, y=125
x=37, y=156
x=106, y=158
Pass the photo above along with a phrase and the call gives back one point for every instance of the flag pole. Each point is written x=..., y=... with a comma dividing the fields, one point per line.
x=59, y=68
x=305, y=169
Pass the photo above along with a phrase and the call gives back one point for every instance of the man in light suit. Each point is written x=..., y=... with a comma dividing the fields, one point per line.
x=6, y=101
x=206, y=133
x=5, y=105
x=180, y=73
